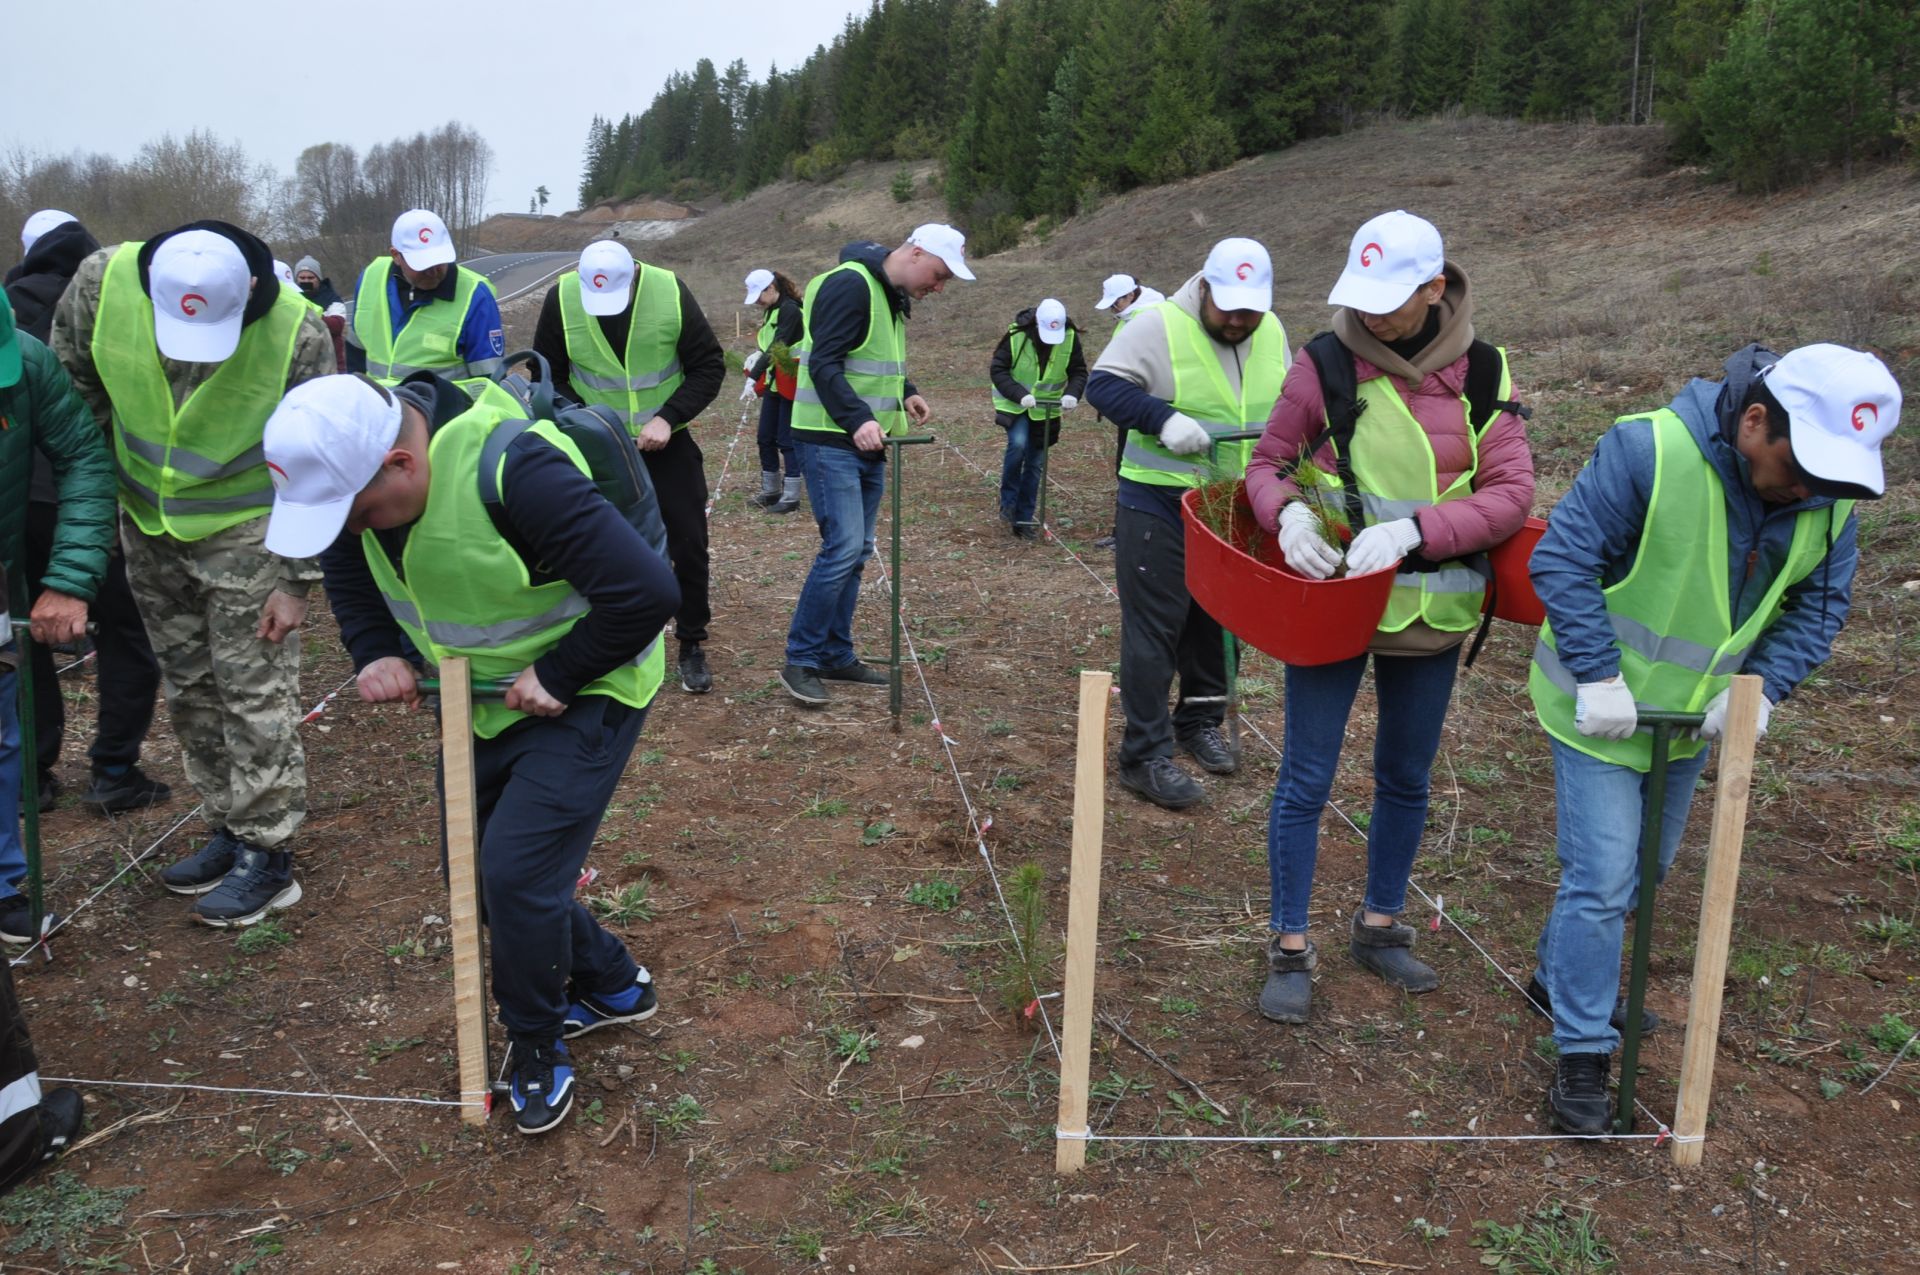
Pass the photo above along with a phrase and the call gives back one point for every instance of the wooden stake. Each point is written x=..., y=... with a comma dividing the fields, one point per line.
x=1716, y=918
x=463, y=889
x=1083, y=918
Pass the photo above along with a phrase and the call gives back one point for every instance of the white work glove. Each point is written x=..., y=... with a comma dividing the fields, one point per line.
x=1307, y=550
x=746, y=392
x=1605, y=710
x=1027, y=401
x=1068, y=402
x=1716, y=724
x=1183, y=436
x=1382, y=545
x=753, y=362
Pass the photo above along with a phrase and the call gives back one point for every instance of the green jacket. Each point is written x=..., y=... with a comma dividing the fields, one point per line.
x=43, y=410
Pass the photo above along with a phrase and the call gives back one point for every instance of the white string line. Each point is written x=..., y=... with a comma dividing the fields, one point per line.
x=1047, y=528
x=269, y=1093
x=1663, y=1136
x=973, y=818
x=68, y=668
x=144, y=855
x=713, y=496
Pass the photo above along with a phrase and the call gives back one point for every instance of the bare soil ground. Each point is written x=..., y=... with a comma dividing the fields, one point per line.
x=834, y=1081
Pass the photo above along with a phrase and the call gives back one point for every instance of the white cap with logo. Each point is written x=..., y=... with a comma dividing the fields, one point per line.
x=40, y=223
x=1240, y=275
x=1116, y=286
x=1389, y=258
x=421, y=239
x=757, y=282
x=1051, y=318
x=324, y=444
x=199, y=283
x=284, y=273
x=606, y=277
x=946, y=243
x=1841, y=405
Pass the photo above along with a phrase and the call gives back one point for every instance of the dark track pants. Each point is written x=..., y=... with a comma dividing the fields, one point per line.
x=20, y=1136
x=1162, y=631
x=679, y=478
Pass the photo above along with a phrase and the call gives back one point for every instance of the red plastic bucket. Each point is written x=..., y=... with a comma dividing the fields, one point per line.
x=1512, y=596
x=1248, y=587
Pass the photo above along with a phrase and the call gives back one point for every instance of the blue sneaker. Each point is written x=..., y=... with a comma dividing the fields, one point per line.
x=632, y=1004
x=540, y=1085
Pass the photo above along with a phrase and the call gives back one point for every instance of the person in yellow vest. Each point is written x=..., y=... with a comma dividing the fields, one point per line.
x=551, y=588
x=1038, y=371
x=781, y=323
x=1712, y=537
x=630, y=337
x=1211, y=361
x=852, y=395
x=415, y=310
x=1387, y=401
x=182, y=346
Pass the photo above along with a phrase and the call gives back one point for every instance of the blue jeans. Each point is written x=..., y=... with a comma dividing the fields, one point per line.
x=13, y=848
x=1020, y=467
x=844, y=488
x=1600, y=807
x=1414, y=691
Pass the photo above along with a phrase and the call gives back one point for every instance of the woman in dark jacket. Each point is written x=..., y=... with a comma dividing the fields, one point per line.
x=781, y=326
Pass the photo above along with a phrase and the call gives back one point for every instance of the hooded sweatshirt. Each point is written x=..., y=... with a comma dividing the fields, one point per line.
x=34, y=287
x=1593, y=539
x=1001, y=369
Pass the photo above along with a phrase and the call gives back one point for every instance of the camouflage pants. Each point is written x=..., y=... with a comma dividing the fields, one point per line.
x=233, y=697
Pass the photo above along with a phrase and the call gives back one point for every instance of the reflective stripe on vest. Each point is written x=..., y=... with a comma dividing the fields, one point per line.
x=196, y=469
x=1672, y=614
x=429, y=339
x=1398, y=475
x=463, y=590
x=638, y=384
x=875, y=370
x=1026, y=370
x=1200, y=391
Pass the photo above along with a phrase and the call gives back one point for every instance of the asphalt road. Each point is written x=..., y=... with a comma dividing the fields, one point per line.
x=515, y=273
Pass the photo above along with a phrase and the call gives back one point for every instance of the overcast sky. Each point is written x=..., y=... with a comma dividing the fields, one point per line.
x=528, y=75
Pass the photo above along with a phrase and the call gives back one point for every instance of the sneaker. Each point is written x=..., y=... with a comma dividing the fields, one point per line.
x=1578, y=1100
x=1208, y=746
x=63, y=1113
x=540, y=1084
x=695, y=679
x=858, y=673
x=1163, y=783
x=48, y=793
x=261, y=882
x=1103, y=542
x=1540, y=1003
x=634, y=1003
x=16, y=920
x=205, y=868
x=131, y=789
x=1025, y=531
x=803, y=684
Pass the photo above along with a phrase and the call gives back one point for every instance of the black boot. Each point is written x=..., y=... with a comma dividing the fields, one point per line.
x=769, y=489
x=1289, y=988
x=1387, y=950
x=1578, y=1100
x=789, y=499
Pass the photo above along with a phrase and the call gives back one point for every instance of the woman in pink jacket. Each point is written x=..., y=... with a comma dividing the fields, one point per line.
x=1438, y=479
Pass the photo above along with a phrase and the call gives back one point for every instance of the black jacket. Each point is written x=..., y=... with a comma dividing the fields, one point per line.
x=34, y=286
x=702, y=362
x=560, y=516
x=842, y=313
x=1002, y=367
x=324, y=295
x=790, y=327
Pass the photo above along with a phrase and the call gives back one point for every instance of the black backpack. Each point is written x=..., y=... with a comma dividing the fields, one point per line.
x=611, y=457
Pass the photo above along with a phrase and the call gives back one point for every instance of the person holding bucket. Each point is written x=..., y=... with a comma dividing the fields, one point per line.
x=1409, y=419
x=1643, y=613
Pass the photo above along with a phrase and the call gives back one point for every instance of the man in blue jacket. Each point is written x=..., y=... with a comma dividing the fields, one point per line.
x=1643, y=612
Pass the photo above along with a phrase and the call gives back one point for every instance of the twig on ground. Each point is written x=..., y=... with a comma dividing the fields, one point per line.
x=1098, y=1259
x=1164, y=1066
x=1349, y=1257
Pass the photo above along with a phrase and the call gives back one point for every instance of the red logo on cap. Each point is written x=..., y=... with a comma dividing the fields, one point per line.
x=426, y=234
x=279, y=476
x=1371, y=253
x=190, y=310
x=599, y=281
x=1244, y=271
x=1864, y=415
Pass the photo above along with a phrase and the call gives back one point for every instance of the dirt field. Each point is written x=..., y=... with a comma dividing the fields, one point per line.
x=835, y=1082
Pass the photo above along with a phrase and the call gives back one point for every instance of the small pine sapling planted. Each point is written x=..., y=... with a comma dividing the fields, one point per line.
x=1024, y=969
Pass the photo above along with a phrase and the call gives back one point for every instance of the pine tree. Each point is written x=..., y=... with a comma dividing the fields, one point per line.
x=1292, y=68
x=1181, y=133
x=1116, y=71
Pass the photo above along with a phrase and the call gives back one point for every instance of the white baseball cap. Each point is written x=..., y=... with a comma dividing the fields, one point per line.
x=324, y=444
x=946, y=243
x=1116, y=286
x=1240, y=275
x=199, y=283
x=757, y=282
x=1389, y=257
x=1841, y=405
x=284, y=272
x=606, y=277
x=421, y=238
x=1051, y=319
x=40, y=223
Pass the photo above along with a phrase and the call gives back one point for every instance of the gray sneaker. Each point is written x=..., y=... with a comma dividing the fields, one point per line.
x=1161, y=782
x=803, y=684
x=1208, y=746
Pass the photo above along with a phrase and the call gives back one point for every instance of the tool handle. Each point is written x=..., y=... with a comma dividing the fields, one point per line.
x=905, y=439
x=1239, y=436
x=1664, y=717
x=481, y=690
